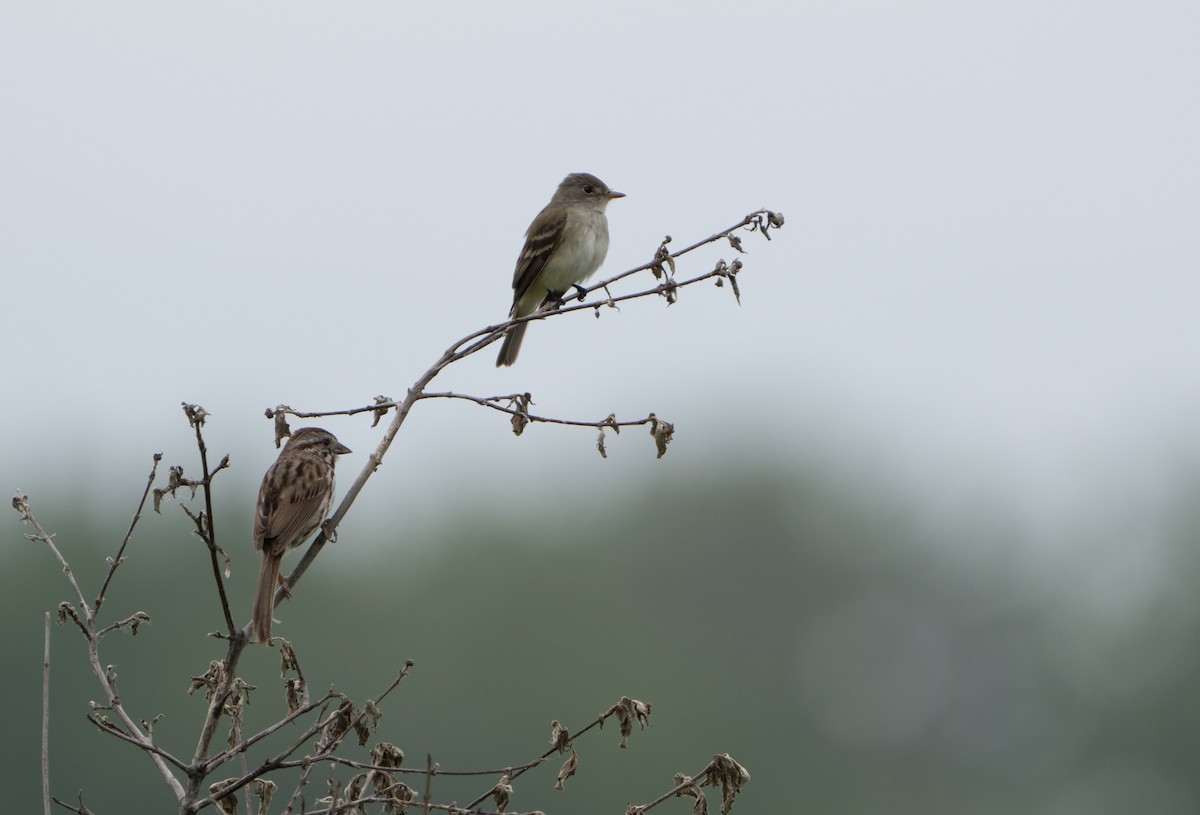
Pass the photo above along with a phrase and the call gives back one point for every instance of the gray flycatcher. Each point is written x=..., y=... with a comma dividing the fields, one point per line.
x=564, y=246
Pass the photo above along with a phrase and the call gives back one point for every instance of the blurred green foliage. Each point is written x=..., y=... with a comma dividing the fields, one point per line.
x=853, y=656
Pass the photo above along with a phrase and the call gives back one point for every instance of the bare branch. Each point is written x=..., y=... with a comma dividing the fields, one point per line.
x=496, y=403
x=242, y=746
x=196, y=416
x=115, y=562
x=558, y=742
x=380, y=408
x=131, y=622
x=78, y=810
x=279, y=761
x=88, y=625
x=759, y=220
x=46, y=719
x=20, y=503
x=722, y=771
x=141, y=743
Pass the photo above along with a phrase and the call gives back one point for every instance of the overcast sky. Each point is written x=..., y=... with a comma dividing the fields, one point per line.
x=989, y=265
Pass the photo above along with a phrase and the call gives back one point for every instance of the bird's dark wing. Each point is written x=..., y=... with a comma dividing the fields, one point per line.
x=541, y=240
x=292, y=509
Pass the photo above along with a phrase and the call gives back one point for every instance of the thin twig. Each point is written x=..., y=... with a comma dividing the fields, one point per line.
x=357, y=805
x=88, y=624
x=112, y=730
x=523, y=768
x=137, y=516
x=237, y=644
x=486, y=336
x=301, y=783
x=196, y=416
x=21, y=505
x=318, y=414
x=78, y=810
x=374, y=461
x=276, y=762
x=493, y=403
x=430, y=768
x=722, y=771
x=46, y=720
x=279, y=760
x=241, y=747
x=680, y=787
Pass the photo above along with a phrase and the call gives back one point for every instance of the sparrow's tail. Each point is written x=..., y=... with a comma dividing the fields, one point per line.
x=264, y=598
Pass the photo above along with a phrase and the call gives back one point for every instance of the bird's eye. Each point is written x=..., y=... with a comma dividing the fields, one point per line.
x=589, y=189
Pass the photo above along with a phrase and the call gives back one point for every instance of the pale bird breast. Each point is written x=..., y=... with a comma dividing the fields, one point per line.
x=578, y=258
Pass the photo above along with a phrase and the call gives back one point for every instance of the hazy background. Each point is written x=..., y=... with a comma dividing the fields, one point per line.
x=927, y=519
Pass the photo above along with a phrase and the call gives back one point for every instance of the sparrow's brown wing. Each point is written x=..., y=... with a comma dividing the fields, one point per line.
x=290, y=504
x=541, y=239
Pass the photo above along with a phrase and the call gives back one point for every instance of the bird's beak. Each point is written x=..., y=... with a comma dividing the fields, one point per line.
x=613, y=194
x=341, y=449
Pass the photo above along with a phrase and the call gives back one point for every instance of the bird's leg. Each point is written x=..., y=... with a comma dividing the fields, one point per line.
x=330, y=537
x=555, y=299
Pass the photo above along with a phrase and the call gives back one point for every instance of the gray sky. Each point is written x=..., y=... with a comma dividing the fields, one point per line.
x=989, y=267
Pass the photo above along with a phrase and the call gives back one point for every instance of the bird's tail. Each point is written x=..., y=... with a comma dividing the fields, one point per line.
x=264, y=598
x=512, y=344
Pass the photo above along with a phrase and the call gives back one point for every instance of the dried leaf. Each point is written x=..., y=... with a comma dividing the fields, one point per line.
x=282, y=431
x=210, y=679
x=134, y=621
x=630, y=710
x=336, y=727
x=669, y=291
x=234, y=708
x=663, y=433
x=692, y=790
x=287, y=657
x=730, y=775
x=295, y=691
x=567, y=769
x=355, y=787
x=662, y=257
x=401, y=796
x=228, y=804
x=560, y=739
x=264, y=790
x=383, y=782
x=502, y=793
x=386, y=754
x=520, y=419
x=380, y=412
x=195, y=414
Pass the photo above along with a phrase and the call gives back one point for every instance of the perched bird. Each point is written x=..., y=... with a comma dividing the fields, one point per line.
x=564, y=246
x=294, y=500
